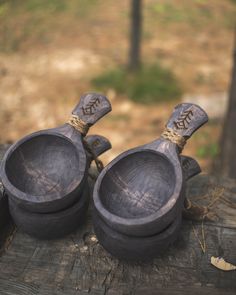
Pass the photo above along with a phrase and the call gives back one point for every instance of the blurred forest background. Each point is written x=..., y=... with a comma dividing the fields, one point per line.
x=52, y=51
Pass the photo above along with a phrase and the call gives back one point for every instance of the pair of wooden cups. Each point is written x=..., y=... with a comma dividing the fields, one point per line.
x=138, y=197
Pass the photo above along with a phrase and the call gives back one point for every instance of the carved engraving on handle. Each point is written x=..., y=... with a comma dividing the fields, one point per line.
x=184, y=120
x=91, y=107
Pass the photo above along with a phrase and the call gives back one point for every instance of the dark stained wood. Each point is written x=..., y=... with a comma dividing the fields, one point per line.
x=78, y=264
x=51, y=225
x=190, y=167
x=92, y=107
x=4, y=212
x=58, y=224
x=6, y=223
x=97, y=144
x=142, y=190
x=132, y=248
x=127, y=192
x=186, y=119
x=45, y=171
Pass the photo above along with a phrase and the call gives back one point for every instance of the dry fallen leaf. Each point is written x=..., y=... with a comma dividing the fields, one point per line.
x=220, y=263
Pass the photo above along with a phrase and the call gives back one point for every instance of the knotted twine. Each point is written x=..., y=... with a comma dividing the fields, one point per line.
x=190, y=211
x=76, y=122
x=173, y=136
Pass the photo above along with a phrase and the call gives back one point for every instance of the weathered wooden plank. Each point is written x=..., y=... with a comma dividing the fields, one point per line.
x=12, y=288
x=5, y=219
x=4, y=214
x=81, y=263
x=77, y=264
x=219, y=193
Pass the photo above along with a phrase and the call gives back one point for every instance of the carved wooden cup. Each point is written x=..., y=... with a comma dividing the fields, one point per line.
x=45, y=171
x=58, y=224
x=129, y=247
x=142, y=190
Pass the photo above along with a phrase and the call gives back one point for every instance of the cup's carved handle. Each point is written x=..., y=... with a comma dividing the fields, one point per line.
x=190, y=167
x=186, y=119
x=92, y=107
x=97, y=144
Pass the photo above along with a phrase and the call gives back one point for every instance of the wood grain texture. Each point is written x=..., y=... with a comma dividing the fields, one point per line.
x=51, y=225
x=4, y=212
x=137, y=248
x=92, y=107
x=6, y=223
x=97, y=144
x=37, y=163
x=132, y=248
x=45, y=171
x=127, y=192
x=190, y=167
x=141, y=191
x=186, y=119
x=79, y=265
x=58, y=224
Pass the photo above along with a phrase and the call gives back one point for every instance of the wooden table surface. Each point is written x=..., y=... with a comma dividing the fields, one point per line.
x=77, y=264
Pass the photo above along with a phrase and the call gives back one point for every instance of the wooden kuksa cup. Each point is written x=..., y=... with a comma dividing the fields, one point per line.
x=141, y=191
x=45, y=171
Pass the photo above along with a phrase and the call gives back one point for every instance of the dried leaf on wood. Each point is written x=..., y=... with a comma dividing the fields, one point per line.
x=220, y=263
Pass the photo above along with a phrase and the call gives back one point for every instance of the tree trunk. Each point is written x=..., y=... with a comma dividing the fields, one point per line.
x=135, y=34
x=227, y=160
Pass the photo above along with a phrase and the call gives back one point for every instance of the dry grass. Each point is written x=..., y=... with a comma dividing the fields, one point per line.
x=48, y=59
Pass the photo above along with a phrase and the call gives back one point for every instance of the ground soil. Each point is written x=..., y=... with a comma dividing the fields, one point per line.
x=41, y=81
